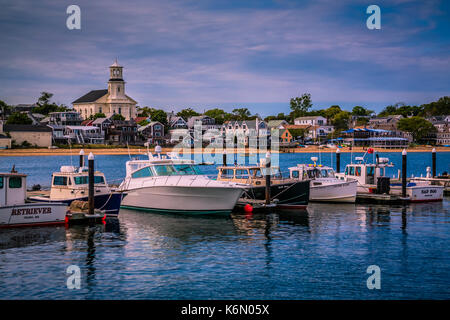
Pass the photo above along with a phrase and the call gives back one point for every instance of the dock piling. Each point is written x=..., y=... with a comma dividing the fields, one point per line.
x=81, y=158
x=267, y=178
x=404, y=153
x=91, y=183
x=224, y=157
x=433, y=159
x=338, y=160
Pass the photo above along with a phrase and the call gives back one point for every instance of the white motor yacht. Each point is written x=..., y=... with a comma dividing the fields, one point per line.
x=166, y=183
x=324, y=186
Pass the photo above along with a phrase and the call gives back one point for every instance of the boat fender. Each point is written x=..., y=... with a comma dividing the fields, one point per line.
x=248, y=208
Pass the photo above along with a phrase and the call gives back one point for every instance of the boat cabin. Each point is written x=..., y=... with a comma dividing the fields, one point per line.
x=13, y=189
x=72, y=181
x=247, y=174
x=311, y=171
x=365, y=173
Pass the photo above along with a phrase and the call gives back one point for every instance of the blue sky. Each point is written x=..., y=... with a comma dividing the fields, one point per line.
x=256, y=54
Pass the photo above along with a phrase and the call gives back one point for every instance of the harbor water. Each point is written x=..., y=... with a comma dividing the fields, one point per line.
x=321, y=253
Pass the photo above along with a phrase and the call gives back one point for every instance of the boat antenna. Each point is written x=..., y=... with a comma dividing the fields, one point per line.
x=129, y=155
x=70, y=147
x=148, y=151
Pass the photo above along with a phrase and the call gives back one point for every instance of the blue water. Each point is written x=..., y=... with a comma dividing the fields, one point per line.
x=322, y=253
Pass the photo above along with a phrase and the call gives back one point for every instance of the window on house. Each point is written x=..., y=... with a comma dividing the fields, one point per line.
x=15, y=182
x=120, y=110
x=1, y=182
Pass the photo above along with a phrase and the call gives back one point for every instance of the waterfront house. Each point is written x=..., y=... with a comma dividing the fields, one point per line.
x=35, y=135
x=122, y=132
x=84, y=134
x=5, y=141
x=65, y=118
x=102, y=123
x=108, y=101
x=277, y=124
x=379, y=138
x=312, y=121
x=385, y=123
x=206, y=122
x=152, y=132
x=311, y=132
x=248, y=128
x=176, y=122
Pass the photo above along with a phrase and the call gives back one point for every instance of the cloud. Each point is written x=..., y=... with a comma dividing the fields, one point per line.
x=178, y=52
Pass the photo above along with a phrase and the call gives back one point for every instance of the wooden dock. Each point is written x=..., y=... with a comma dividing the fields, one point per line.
x=259, y=206
x=380, y=198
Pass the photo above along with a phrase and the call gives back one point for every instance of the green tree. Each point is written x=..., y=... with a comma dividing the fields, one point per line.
x=361, y=111
x=301, y=105
x=187, y=113
x=117, y=116
x=146, y=112
x=340, y=121
x=19, y=118
x=160, y=116
x=332, y=111
x=45, y=106
x=418, y=127
x=4, y=108
x=143, y=123
x=241, y=114
x=437, y=108
x=217, y=114
x=96, y=116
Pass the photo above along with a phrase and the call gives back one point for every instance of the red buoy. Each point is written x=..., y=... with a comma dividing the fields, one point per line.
x=248, y=208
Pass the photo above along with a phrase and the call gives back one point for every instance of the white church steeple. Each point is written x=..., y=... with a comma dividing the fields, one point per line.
x=116, y=85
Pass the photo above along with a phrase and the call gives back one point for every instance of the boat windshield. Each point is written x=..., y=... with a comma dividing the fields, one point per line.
x=320, y=173
x=167, y=170
x=85, y=180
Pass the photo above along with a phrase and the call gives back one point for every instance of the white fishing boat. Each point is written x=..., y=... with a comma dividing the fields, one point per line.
x=324, y=186
x=71, y=183
x=166, y=183
x=15, y=211
x=368, y=177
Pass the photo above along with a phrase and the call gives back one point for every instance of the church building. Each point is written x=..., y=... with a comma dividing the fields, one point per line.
x=109, y=101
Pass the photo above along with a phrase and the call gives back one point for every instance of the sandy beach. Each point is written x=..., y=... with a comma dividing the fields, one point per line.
x=135, y=151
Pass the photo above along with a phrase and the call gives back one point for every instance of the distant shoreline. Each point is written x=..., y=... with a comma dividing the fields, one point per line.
x=137, y=151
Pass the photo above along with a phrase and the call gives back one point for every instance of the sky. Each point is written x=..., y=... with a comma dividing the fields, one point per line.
x=228, y=53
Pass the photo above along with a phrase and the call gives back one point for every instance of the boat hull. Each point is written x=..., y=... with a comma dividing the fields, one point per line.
x=290, y=195
x=421, y=193
x=33, y=214
x=335, y=192
x=110, y=203
x=183, y=199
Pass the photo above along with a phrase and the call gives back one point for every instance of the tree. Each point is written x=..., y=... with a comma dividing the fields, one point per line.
x=217, y=114
x=361, y=111
x=187, y=113
x=19, y=118
x=145, y=112
x=4, y=108
x=143, y=123
x=160, y=116
x=117, y=116
x=44, y=106
x=332, y=111
x=96, y=116
x=437, y=108
x=301, y=104
x=417, y=126
x=241, y=114
x=340, y=121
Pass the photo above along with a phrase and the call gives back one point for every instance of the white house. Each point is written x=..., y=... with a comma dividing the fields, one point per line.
x=312, y=121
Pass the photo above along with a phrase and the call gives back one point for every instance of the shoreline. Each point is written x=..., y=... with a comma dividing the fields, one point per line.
x=137, y=151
